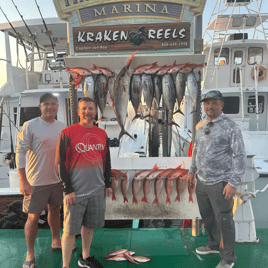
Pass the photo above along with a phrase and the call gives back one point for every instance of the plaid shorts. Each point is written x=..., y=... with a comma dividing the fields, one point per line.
x=41, y=196
x=89, y=212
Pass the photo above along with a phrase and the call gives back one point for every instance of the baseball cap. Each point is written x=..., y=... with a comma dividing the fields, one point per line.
x=46, y=96
x=213, y=94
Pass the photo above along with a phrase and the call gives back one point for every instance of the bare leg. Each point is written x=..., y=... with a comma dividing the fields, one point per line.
x=67, y=247
x=30, y=230
x=87, y=235
x=54, y=223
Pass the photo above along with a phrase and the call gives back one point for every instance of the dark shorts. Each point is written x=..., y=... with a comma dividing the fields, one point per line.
x=41, y=196
x=89, y=212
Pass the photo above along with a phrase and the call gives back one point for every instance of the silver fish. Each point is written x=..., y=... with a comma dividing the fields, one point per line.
x=157, y=89
x=121, y=96
x=101, y=93
x=192, y=89
x=89, y=87
x=148, y=90
x=135, y=93
x=180, y=89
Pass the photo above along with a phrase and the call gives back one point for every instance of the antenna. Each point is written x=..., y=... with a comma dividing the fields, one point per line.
x=48, y=32
x=17, y=35
x=32, y=36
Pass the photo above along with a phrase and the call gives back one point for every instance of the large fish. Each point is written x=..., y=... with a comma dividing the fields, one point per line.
x=148, y=90
x=135, y=93
x=101, y=93
x=157, y=89
x=180, y=89
x=89, y=87
x=192, y=88
x=191, y=189
x=140, y=69
x=104, y=70
x=169, y=92
x=180, y=185
x=121, y=96
x=124, y=187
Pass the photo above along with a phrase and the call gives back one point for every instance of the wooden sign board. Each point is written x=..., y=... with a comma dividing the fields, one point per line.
x=131, y=37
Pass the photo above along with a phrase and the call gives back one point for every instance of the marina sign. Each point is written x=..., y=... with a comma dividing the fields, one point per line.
x=131, y=37
x=102, y=10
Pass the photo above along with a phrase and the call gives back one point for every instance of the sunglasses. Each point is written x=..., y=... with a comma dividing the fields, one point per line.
x=207, y=129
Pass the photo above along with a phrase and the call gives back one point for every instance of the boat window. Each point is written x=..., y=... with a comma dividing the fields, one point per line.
x=238, y=57
x=255, y=55
x=28, y=113
x=224, y=56
x=252, y=104
x=231, y=105
x=236, y=75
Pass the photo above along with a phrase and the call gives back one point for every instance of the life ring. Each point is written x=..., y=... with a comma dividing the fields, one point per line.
x=262, y=73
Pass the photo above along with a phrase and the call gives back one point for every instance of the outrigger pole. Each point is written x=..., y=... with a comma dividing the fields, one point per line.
x=32, y=36
x=17, y=35
x=48, y=32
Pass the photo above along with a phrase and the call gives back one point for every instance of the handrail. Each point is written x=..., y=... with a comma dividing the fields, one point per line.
x=256, y=77
x=252, y=194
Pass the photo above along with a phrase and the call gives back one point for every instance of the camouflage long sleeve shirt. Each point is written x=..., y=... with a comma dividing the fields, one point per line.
x=219, y=155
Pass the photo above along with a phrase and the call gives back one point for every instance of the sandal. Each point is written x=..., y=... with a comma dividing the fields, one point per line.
x=29, y=263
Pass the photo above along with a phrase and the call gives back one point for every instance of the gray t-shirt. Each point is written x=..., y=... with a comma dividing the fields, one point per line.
x=39, y=138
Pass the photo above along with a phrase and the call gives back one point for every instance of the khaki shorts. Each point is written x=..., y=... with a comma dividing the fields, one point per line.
x=89, y=212
x=41, y=196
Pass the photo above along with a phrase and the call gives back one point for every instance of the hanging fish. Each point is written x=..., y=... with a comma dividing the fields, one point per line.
x=177, y=68
x=125, y=186
x=78, y=74
x=101, y=94
x=192, y=89
x=180, y=90
x=158, y=185
x=135, y=93
x=180, y=185
x=152, y=70
x=114, y=187
x=191, y=189
x=104, y=70
x=89, y=87
x=121, y=96
x=164, y=69
x=140, y=69
x=148, y=90
x=157, y=89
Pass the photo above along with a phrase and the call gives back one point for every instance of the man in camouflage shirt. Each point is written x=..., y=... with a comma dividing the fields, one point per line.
x=219, y=162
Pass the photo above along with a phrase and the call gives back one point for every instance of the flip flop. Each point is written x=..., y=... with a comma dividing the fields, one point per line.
x=29, y=263
x=60, y=249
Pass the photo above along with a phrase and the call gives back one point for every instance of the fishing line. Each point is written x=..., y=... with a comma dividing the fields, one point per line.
x=32, y=36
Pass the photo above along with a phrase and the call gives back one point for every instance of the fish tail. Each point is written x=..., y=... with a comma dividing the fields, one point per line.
x=125, y=199
x=168, y=200
x=137, y=116
x=144, y=199
x=191, y=199
x=193, y=111
x=179, y=111
x=101, y=118
x=155, y=201
x=113, y=197
x=130, y=59
x=124, y=132
x=134, y=200
x=177, y=198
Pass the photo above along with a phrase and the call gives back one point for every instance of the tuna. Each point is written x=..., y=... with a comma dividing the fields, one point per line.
x=140, y=69
x=180, y=89
x=148, y=90
x=192, y=89
x=135, y=93
x=157, y=89
x=120, y=96
x=89, y=87
x=101, y=93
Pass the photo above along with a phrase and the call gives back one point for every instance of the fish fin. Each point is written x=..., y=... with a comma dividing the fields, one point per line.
x=168, y=200
x=130, y=59
x=174, y=64
x=134, y=200
x=155, y=167
x=179, y=111
x=101, y=118
x=95, y=66
x=193, y=111
x=144, y=199
x=124, y=132
x=177, y=198
x=155, y=201
x=171, y=123
x=136, y=117
x=125, y=200
x=113, y=198
x=154, y=64
x=191, y=199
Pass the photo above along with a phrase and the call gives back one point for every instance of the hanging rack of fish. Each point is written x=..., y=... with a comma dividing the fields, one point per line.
x=31, y=35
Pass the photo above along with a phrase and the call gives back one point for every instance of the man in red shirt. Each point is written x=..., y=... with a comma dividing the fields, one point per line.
x=85, y=172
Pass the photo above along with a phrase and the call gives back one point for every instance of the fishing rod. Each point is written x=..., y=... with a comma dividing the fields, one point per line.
x=17, y=34
x=32, y=36
x=48, y=32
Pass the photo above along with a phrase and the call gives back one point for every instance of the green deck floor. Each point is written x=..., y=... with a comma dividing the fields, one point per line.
x=166, y=248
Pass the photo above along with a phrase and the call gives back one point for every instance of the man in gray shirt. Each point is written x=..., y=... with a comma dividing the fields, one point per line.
x=219, y=162
x=41, y=185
